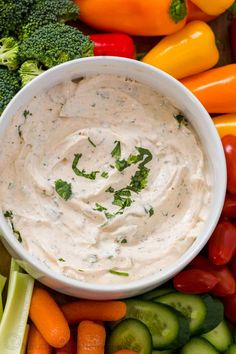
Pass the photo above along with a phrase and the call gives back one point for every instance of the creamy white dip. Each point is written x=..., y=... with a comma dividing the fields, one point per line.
x=86, y=236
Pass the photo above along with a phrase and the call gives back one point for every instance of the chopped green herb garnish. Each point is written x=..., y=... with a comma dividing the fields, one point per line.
x=144, y=155
x=19, y=131
x=180, y=119
x=99, y=207
x=124, y=240
x=26, y=114
x=82, y=173
x=110, y=190
x=9, y=214
x=149, y=211
x=122, y=198
x=105, y=174
x=91, y=142
x=140, y=179
x=63, y=188
x=116, y=152
x=109, y=215
x=61, y=260
x=116, y=272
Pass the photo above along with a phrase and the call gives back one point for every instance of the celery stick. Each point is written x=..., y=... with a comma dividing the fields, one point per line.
x=14, y=320
x=25, y=339
x=2, y=284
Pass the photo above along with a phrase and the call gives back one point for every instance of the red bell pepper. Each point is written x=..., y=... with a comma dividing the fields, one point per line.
x=114, y=44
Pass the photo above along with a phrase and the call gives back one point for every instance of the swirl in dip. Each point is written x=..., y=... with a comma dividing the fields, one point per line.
x=103, y=180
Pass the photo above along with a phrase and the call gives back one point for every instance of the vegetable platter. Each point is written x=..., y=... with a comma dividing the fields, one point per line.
x=184, y=316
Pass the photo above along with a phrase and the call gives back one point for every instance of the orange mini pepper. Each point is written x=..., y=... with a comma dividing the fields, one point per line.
x=186, y=52
x=215, y=88
x=194, y=13
x=225, y=124
x=213, y=7
x=136, y=17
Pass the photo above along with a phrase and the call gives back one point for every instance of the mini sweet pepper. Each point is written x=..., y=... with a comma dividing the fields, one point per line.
x=187, y=52
x=225, y=124
x=213, y=7
x=136, y=17
x=215, y=88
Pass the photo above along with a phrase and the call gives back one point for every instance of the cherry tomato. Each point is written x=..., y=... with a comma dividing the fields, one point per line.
x=230, y=307
x=195, y=281
x=229, y=144
x=222, y=243
x=232, y=265
x=226, y=283
x=229, y=209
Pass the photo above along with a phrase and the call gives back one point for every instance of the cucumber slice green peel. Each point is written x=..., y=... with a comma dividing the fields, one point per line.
x=231, y=350
x=191, y=306
x=198, y=345
x=169, y=329
x=15, y=315
x=220, y=337
x=130, y=334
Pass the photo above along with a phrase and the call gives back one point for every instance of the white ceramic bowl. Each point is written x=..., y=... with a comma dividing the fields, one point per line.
x=196, y=114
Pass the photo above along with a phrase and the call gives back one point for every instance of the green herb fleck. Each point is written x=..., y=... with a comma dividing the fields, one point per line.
x=99, y=207
x=116, y=152
x=26, y=114
x=116, y=272
x=149, y=211
x=122, y=198
x=124, y=240
x=63, y=189
x=91, y=142
x=110, y=190
x=9, y=214
x=180, y=119
x=140, y=179
x=105, y=174
x=61, y=260
x=19, y=131
x=82, y=173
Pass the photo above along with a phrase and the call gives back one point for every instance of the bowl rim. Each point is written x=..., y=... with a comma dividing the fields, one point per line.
x=141, y=283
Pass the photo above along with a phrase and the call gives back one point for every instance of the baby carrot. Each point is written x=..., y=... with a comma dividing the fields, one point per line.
x=69, y=348
x=125, y=351
x=49, y=319
x=36, y=343
x=94, y=311
x=91, y=338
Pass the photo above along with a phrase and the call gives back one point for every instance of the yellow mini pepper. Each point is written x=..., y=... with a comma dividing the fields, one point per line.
x=213, y=7
x=186, y=52
x=225, y=124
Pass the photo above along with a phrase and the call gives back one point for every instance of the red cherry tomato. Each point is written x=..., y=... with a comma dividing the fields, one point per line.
x=229, y=209
x=232, y=265
x=230, y=307
x=226, y=283
x=195, y=281
x=229, y=144
x=222, y=243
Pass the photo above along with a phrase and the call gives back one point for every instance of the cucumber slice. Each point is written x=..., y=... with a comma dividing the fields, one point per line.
x=220, y=337
x=215, y=313
x=157, y=293
x=130, y=334
x=169, y=329
x=231, y=350
x=198, y=345
x=191, y=306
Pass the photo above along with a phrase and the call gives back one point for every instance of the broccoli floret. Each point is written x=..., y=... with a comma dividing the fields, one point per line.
x=9, y=53
x=44, y=12
x=9, y=86
x=12, y=14
x=55, y=44
x=29, y=70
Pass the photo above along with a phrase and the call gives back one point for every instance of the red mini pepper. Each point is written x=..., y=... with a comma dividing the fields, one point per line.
x=222, y=243
x=229, y=209
x=114, y=44
x=229, y=145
